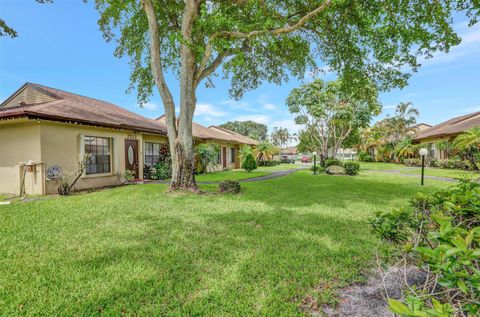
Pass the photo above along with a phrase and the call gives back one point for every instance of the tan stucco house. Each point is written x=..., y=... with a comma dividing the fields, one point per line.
x=446, y=132
x=44, y=129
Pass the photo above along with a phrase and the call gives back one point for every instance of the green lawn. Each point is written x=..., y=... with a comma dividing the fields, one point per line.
x=137, y=250
x=231, y=175
x=429, y=171
x=239, y=174
x=452, y=173
x=379, y=166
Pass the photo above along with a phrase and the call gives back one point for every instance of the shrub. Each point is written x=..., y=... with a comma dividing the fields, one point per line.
x=413, y=162
x=207, y=154
x=432, y=162
x=269, y=163
x=364, y=157
x=454, y=164
x=229, y=186
x=319, y=169
x=351, y=168
x=441, y=233
x=129, y=175
x=162, y=170
x=331, y=161
x=249, y=164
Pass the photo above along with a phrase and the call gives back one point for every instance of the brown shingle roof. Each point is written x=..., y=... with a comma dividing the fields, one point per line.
x=217, y=133
x=451, y=127
x=70, y=107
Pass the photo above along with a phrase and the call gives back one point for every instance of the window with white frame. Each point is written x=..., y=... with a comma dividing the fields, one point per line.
x=152, y=153
x=99, y=151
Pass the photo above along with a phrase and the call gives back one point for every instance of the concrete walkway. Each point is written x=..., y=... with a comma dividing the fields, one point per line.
x=399, y=172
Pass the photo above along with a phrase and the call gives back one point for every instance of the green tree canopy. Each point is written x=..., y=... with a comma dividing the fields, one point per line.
x=254, y=130
x=330, y=114
x=364, y=42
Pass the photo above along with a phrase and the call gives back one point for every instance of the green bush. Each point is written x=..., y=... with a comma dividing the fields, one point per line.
x=249, y=164
x=440, y=233
x=413, y=162
x=331, y=161
x=229, y=186
x=319, y=169
x=454, y=164
x=269, y=163
x=364, y=157
x=163, y=170
x=351, y=168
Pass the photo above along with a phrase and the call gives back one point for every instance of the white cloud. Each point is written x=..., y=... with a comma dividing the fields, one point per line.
x=256, y=118
x=288, y=123
x=150, y=106
x=389, y=107
x=269, y=106
x=206, y=109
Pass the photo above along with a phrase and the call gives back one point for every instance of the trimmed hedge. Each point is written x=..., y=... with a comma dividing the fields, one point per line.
x=269, y=163
x=351, y=168
x=331, y=161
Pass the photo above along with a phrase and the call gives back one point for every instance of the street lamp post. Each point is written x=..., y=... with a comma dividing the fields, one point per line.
x=423, y=152
x=314, y=163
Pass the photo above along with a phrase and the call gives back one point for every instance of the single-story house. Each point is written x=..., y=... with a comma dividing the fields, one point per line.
x=288, y=153
x=44, y=131
x=446, y=132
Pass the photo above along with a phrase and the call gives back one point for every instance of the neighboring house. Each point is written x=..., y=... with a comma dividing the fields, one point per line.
x=289, y=153
x=45, y=130
x=417, y=128
x=228, y=141
x=435, y=138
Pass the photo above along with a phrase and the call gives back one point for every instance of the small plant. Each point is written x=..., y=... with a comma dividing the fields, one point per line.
x=319, y=169
x=67, y=179
x=229, y=186
x=351, y=168
x=441, y=234
x=364, y=157
x=129, y=175
x=249, y=164
x=163, y=170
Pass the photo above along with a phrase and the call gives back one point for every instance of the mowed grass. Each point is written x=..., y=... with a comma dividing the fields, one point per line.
x=451, y=173
x=137, y=250
x=231, y=175
x=429, y=171
x=239, y=174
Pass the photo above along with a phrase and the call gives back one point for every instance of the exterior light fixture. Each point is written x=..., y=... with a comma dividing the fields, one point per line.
x=314, y=162
x=423, y=152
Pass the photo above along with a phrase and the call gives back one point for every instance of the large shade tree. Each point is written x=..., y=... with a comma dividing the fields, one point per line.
x=330, y=113
x=268, y=40
x=254, y=130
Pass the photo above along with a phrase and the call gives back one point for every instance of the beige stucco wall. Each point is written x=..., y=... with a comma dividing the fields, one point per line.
x=51, y=143
x=19, y=142
x=61, y=145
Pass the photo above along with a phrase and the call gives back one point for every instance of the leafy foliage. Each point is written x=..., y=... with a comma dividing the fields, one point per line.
x=264, y=150
x=280, y=137
x=249, y=163
x=330, y=162
x=440, y=232
x=207, y=154
x=330, y=112
x=254, y=130
x=269, y=163
x=351, y=168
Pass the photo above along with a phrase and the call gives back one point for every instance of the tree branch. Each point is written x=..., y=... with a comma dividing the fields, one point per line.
x=288, y=29
x=157, y=68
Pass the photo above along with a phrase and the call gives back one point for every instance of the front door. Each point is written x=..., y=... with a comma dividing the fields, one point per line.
x=224, y=157
x=131, y=156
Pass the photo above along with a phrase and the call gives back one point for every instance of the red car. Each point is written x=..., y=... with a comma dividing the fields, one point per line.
x=305, y=159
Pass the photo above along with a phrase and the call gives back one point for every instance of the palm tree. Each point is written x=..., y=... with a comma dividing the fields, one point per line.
x=263, y=150
x=469, y=143
x=405, y=148
x=406, y=116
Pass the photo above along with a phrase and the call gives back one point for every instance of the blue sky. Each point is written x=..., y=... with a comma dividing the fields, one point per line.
x=60, y=45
